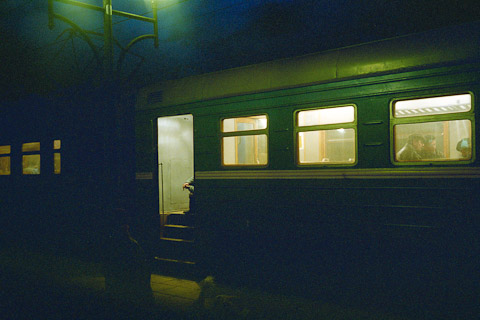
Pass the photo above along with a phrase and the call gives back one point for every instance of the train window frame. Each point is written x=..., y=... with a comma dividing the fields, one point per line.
x=244, y=133
x=5, y=157
x=57, y=157
x=31, y=150
x=431, y=119
x=326, y=127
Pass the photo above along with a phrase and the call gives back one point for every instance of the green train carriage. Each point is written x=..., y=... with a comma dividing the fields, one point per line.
x=298, y=173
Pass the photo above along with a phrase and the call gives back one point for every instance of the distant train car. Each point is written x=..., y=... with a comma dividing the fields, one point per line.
x=54, y=171
x=352, y=168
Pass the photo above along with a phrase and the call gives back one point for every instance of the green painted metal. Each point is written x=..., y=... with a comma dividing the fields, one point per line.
x=438, y=47
x=371, y=95
x=375, y=215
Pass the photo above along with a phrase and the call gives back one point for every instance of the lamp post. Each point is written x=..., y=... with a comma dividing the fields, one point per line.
x=114, y=112
x=108, y=38
x=108, y=13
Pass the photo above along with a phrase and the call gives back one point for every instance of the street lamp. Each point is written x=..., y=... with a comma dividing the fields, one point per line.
x=108, y=13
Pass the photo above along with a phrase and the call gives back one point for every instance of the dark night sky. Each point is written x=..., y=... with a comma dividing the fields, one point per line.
x=198, y=36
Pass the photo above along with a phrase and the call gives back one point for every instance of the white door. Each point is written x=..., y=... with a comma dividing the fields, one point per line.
x=175, y=161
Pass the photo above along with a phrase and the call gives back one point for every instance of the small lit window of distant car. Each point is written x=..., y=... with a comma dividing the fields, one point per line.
x=57, y=157
x=434, y=129
x=326, y=136
x=5, y=160
x=244, y=141
x=31, y=158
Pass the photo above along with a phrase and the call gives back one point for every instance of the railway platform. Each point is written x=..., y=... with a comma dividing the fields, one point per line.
x=41, y=286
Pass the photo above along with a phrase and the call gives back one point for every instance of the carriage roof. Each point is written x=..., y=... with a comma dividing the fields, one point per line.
x=437, y=47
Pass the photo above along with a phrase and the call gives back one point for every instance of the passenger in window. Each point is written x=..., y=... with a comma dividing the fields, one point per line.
x=189, y=185
x=31, y=164
x=464, y=147
x=429, y=150
x=412, y=149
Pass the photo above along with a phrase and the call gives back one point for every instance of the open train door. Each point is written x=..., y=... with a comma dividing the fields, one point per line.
x=175, y=163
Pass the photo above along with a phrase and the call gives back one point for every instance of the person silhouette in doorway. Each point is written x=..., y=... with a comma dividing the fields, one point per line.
x=189, y=185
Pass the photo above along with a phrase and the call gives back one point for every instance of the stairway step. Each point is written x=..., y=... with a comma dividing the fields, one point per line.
x=177, y=240
x=172, y=231
x=174, y=260
x=181, y=219
x=177, y=249
x=178, y=226
x=184, y=269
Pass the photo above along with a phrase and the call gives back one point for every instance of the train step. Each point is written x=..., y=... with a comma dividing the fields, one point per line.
x=176, y=249
x=176, y=240
x=184, y=269
x=179, y=232
x=175, y=261
x=181, y=219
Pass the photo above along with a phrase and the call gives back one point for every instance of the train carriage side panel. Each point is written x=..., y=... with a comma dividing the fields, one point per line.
x=373, y=223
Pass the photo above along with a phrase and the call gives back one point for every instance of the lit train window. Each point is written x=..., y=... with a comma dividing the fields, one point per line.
x=437, y=129
x=57, y=157
x=244, y=141
x=326, y=136
x=31, y=146
x=433, y=106
x=31, y=160
x=5, y=160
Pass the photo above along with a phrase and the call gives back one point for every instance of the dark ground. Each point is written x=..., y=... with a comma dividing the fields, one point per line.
x=24, y=298
x=33, y=286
